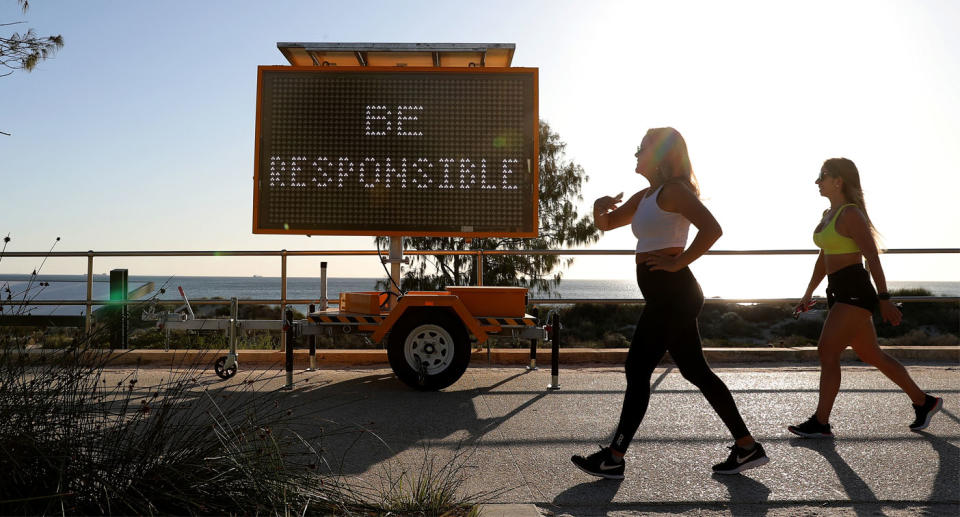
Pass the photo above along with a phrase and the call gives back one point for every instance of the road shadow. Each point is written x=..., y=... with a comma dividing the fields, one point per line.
x=946, y=485
x=748, y=497
x=862, y=498
x=595, y=495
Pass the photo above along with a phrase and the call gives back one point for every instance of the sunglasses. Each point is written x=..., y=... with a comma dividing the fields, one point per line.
x=823, y=175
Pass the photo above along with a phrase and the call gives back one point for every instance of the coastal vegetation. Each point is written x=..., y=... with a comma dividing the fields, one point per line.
x=80, y=437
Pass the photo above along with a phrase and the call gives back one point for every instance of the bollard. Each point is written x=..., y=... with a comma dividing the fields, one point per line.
x=533, y=345
x=312, y=342
x=288, y=346
x=119, y=313
x=555, y=353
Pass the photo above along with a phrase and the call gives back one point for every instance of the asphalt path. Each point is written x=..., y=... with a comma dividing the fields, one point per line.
x=510, y=439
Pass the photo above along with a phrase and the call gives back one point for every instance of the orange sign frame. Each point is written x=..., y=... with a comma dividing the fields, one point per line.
x=535, y=165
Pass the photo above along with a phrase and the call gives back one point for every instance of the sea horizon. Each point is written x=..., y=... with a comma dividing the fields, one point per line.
x=302, y=288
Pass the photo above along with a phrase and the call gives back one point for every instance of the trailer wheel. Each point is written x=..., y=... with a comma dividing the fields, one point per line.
x=224, y=373
x=429, y=350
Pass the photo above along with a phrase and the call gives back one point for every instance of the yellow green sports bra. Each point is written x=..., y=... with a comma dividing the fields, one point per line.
x=831, y=242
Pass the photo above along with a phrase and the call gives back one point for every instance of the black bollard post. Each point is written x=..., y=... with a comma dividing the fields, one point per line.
x=120, y=313
x=533, y=344
x=288, y=346
x=312, y=342
x=555, y=353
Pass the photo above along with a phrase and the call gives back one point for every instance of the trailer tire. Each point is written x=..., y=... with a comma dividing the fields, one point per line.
x=429, y=350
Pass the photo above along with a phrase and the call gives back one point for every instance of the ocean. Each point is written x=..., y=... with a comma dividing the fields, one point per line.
x=73, y=287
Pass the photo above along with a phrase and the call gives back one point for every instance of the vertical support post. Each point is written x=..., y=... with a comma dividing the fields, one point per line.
x=234, y=316
x=323, y=287
x=533, y=344
x=555, y=353
x=119, y=289
x=479, y=267
x=396, y=257
x=283, y=295
x=88, y=321
x=312, y=340
x=288, y=346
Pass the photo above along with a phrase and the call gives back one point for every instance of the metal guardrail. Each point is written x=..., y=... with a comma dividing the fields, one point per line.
x=89, y=302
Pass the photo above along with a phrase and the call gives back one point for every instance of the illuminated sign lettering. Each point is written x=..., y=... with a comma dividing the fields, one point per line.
x=396, y=151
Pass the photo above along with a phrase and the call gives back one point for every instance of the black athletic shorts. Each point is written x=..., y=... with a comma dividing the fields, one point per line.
x=851, y=285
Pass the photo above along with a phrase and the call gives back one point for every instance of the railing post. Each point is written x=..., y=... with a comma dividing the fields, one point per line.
x=88, y=321
x=480, y=267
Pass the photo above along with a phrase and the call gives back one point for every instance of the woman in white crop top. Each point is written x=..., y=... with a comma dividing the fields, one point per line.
x=660, y=217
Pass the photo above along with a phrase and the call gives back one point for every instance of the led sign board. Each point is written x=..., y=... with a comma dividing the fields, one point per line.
x=396, y=151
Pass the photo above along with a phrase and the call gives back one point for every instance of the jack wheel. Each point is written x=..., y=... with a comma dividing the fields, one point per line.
x=221, y=371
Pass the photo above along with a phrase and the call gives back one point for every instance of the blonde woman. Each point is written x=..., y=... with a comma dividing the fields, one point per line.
x=660, y=217
x=845, y=237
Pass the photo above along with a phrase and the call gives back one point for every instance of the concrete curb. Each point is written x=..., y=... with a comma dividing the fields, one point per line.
x=510, y=356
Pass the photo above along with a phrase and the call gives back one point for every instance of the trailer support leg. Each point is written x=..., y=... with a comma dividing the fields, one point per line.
x=555, y=353
x=288, y=346
x=312, y=342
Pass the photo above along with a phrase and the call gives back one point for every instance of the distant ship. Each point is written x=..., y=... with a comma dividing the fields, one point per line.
x=257, y=276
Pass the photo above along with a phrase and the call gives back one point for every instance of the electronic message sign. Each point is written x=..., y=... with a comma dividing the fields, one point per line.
x=396, y=151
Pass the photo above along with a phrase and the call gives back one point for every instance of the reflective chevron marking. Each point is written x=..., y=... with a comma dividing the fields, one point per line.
x=509, y=322
x=347, y=319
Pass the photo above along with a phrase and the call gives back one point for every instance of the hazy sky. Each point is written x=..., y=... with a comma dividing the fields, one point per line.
x=139, y=134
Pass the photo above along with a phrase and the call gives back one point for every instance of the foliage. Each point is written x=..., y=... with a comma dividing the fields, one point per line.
x=78, y=437
x=561, y=181
x=24, y=51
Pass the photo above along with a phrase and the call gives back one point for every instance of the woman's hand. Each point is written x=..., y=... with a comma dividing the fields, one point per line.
x=606, y=203
x=662, y=262
x=890, y=313
x=806, y=303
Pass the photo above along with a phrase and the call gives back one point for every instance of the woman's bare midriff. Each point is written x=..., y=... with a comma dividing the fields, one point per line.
x=644, y=255
x=834, y=263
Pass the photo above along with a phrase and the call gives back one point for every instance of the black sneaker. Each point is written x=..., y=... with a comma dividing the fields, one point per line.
x=742, y=459
x=812, y=428
x=926, y=412
x=600, y=464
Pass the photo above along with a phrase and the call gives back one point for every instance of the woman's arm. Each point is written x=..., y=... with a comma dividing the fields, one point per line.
x=819, y=271
x=679, y=199
x=853, y=224
x=607, y=215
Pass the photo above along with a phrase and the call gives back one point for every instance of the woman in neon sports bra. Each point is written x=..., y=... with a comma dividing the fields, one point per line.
x=846, y=237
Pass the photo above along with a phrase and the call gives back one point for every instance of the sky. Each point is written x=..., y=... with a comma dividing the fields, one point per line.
x=139, y=134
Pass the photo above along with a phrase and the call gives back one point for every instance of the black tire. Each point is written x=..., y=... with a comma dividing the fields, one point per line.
x=429, y=349
x=224, y=373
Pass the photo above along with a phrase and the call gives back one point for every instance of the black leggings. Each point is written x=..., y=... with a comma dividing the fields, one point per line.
x=669, y=323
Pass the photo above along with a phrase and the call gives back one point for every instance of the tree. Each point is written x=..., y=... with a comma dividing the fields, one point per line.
x=560, y=225
x=24, y=51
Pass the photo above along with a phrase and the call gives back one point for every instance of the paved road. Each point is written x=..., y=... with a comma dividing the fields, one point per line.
x=513, y=436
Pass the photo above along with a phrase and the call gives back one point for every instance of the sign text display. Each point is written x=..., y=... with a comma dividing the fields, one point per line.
x=396, y=151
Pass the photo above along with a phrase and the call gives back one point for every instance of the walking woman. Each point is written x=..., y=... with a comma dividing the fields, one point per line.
x=660, y=217
x=845, y=237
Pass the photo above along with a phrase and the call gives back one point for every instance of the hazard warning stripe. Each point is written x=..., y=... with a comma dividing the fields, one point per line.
x=347, y=319
x=509, y=322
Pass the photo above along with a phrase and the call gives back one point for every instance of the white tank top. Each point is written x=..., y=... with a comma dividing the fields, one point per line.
x=656, y=229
